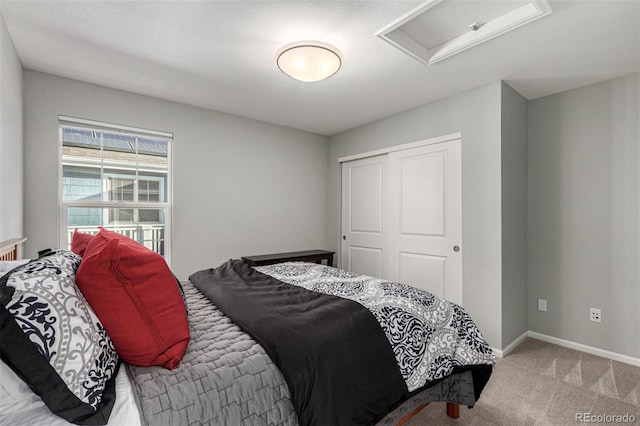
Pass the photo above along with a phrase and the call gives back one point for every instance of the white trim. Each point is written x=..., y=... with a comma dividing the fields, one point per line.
x=386, y=32
x=117, y=204
x=407, y=17
x=584, y=348
x=501, y=25
x=62, y=210
x=518, y=17
x=407, y=45
x=400, y=40
x=497, y=352
x=567, y=344
x=410, y=145
x=511, y=346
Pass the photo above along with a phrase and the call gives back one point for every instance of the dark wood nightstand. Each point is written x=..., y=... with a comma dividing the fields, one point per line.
x=316, y=256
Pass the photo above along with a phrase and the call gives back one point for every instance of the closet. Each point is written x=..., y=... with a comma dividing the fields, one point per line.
x=402, y=215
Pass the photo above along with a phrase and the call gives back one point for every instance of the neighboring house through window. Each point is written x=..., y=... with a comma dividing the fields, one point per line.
x=116, y=177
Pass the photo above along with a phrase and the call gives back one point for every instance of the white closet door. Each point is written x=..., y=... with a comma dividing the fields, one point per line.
x=425, y=220
x=364, y=195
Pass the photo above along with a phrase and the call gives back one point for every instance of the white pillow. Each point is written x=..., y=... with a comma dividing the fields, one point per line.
x=7, y=265
x=15, y=395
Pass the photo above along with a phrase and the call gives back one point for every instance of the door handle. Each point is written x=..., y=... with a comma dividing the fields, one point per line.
x=456, y=248
x=344, y=237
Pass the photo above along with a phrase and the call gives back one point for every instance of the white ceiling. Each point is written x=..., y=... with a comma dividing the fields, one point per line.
x=220, y=54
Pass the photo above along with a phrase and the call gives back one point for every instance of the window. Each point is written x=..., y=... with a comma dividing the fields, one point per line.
x=118, y=178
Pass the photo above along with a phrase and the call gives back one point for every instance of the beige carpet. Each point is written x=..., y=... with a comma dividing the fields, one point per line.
x=544, y=384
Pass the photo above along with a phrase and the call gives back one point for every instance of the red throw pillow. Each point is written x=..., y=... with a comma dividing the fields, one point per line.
x=79, y=242
x=137, y=299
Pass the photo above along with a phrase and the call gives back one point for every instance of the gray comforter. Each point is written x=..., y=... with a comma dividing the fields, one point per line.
x=225, y=377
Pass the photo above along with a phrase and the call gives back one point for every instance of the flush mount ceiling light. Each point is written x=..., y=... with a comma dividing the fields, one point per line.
x=309, y=60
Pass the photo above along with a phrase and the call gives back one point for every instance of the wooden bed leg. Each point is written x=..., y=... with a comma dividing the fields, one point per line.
x=453, y=410
x=406, y=418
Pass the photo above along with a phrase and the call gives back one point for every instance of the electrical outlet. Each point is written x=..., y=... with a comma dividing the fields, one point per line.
x=595, y=315
x=542, y=305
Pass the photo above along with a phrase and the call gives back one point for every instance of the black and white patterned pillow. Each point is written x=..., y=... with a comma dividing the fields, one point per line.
x=54, y=341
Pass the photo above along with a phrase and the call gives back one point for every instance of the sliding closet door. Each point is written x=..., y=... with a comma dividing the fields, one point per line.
x=425, y=220
x=364, y=194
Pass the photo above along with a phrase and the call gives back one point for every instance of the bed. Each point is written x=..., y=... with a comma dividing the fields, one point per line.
x=230, y=375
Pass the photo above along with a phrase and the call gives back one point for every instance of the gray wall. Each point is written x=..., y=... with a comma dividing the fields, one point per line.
x=11, y=183
x=246, y=187
x=240, y=186
x=583, y=216
x=476, y=114
x=514, y=214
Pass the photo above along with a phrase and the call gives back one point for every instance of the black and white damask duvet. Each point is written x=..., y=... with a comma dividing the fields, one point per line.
x=430, y=336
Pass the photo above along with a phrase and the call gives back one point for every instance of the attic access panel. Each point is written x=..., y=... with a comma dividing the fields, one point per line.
x=439, y=29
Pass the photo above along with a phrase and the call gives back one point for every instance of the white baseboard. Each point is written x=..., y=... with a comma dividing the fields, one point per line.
x=511, y=346
x=584, y=348
x=568, y=344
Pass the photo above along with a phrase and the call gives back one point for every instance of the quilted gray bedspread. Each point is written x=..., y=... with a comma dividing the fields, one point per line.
x=225, y=377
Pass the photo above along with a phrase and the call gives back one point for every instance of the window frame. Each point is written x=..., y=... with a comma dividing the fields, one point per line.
x=167, y=204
